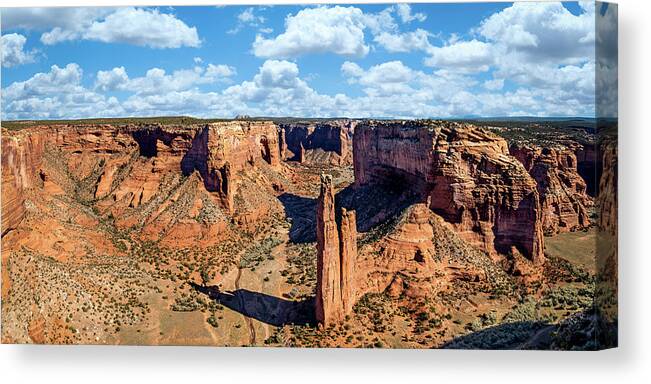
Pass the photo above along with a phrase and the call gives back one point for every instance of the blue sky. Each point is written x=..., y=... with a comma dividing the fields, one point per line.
x=391, y=60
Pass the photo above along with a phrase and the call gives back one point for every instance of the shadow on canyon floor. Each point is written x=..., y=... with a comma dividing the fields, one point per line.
x=268, y=309
x=302, y=213
x=517, y=335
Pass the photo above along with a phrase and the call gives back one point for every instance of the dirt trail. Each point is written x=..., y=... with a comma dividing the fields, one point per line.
x=247, y=319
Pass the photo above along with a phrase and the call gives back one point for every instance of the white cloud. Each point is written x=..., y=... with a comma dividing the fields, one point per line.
x=338, y=30
x=341, y=30
x=404, y=11
x=43, y=19
x=157, y=81
x=351, y=70
x=56, y=94
x=542, y=31
x=12, y=50
x=380, y=22
x=111, y=80
x=129, y=25
x=278, y=90
x=494, y=85
x=220, y=71
x=388, y=78
x=393, y=89
x=470, y=56
x=417, y=40
x=515, y=44
x=248, y=18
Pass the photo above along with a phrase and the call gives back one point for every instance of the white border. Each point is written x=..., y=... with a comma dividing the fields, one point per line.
x=629, y=363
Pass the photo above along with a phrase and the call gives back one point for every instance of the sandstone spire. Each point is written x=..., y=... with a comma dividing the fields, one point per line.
x=336, y=255
x=301, y=153
x=328, y=290
x=348, y=249
x=282, y=144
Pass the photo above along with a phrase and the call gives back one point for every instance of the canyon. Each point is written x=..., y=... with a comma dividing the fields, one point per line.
x=247, y=231
x=467, y=176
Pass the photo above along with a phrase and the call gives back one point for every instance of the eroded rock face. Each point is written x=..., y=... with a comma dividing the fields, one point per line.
x=171, y=181
x=421, y=255
x=465, y=173
x=562, y=190
x=336, y=258
x=322, y=143
x=607, y=262
x=348, y=249
x=21, y=160
x=607, y=198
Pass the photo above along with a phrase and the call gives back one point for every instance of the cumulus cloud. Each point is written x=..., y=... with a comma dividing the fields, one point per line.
x=43, y=19
x=341, y=30
x=513, y=48
x=56, y=94
x=494, y=85
x=249, y=18
x=129, y=25
x=12, y=50
x=338, y=30
x=543, y=31
x=417, y=40
x=404, y=12
x=470, y=56
x=388, y=78
x=157, y=81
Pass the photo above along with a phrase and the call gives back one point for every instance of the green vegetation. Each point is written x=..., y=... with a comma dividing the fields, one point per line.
x=164, y=120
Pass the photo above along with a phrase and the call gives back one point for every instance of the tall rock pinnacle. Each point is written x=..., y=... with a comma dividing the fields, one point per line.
x=335, y=258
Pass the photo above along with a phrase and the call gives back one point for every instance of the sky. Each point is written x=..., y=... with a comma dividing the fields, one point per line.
x=384, y=61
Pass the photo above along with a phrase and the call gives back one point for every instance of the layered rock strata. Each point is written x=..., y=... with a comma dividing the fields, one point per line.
x=21, y=160
x=336, y=258
x=328, y=142
x=562, y=190
x=465, y=173
x=137, y=172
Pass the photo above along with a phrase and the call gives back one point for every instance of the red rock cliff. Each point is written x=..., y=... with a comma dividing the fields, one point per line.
x=21, y=159
x=562, y=190
x=467, y=174
x=324, y=142
x=137, y=172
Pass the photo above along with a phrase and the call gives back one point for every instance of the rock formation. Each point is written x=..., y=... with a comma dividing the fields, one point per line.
x=562, y=191
x=146, y=175
x=607, y=197
x=300, y=155
x=21, y=160
x=282, y=143
x=327, y=142
x=348, y=250
x=606, y=201
x=336, y=256
x=419, y=256
x=468, y=175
